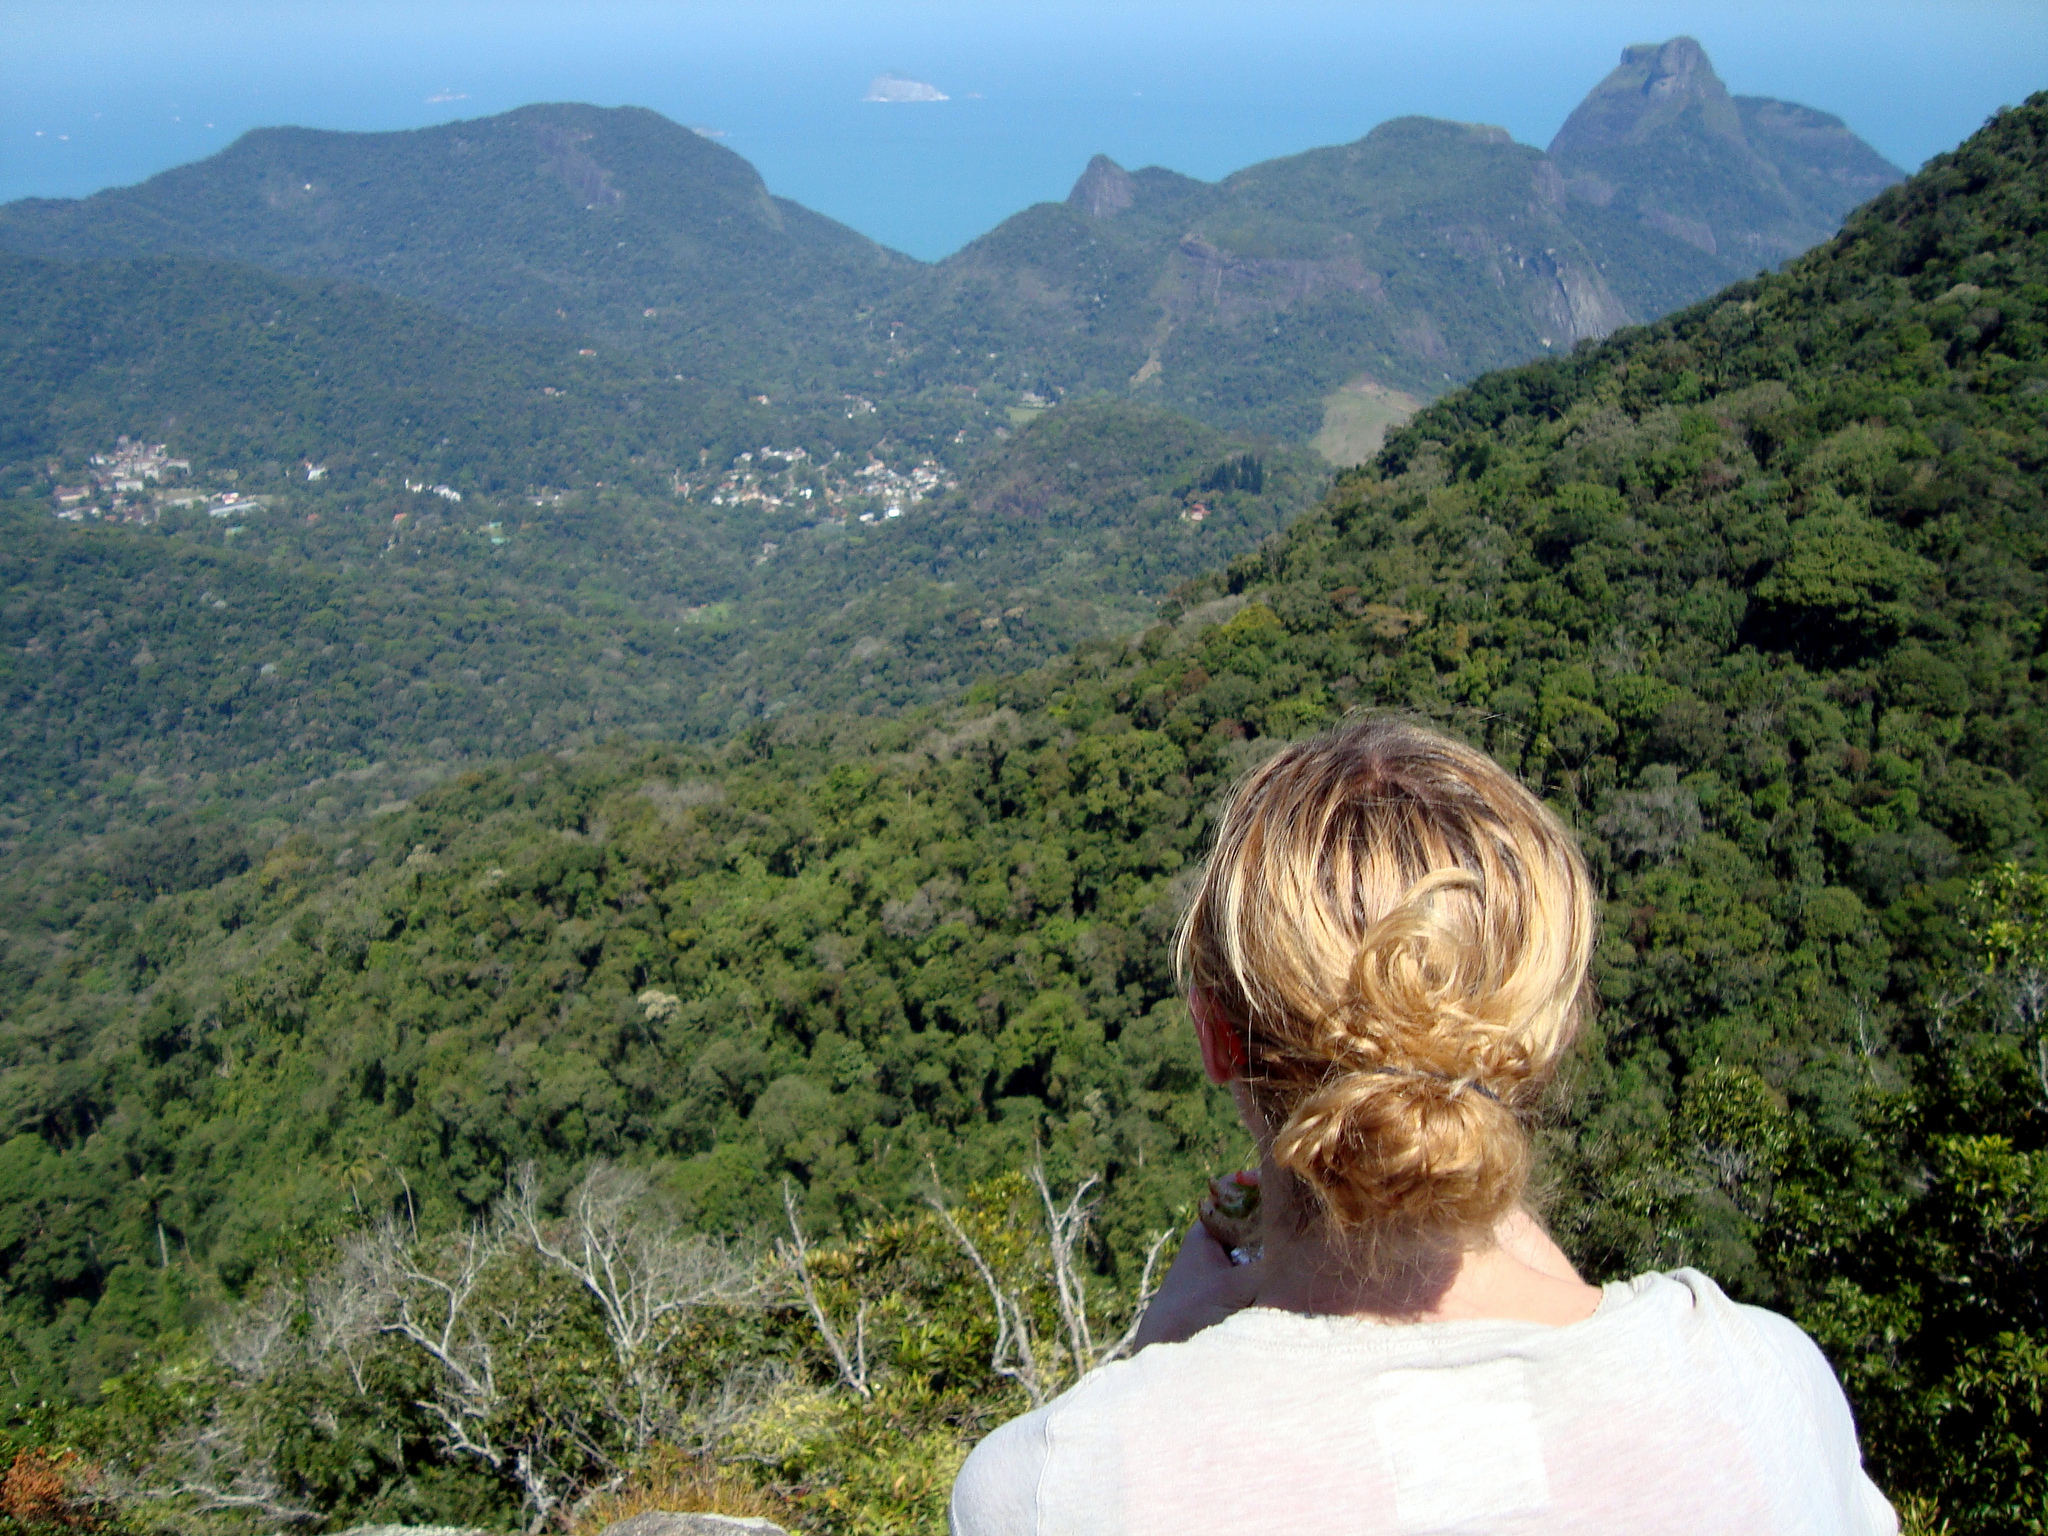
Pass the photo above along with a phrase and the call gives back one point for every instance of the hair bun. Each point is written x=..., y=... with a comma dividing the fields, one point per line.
x=1412, y=1147
x=1402, y=931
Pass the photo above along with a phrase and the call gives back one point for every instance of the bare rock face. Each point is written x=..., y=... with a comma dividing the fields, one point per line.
x=666, y=1522
x=1105, y=188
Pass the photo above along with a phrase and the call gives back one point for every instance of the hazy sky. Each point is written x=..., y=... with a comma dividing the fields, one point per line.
x=101, y=94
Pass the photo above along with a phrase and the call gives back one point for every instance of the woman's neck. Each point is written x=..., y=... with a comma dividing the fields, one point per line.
x=1521, y=1276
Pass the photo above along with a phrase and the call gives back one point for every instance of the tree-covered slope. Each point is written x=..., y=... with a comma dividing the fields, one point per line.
x=1754, y=595
x=237, y=367
x=1072, y=530
x=577, y=220
x=1425, y=252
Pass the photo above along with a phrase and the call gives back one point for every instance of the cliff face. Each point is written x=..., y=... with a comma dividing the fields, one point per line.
x=1656, y=88
x=1105, y=188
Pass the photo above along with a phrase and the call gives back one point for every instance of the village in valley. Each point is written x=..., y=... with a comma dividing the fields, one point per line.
x=135, y=482
x=777, y=479
x=122, y=484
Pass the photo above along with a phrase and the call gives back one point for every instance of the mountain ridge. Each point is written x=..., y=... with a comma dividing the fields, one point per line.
x=609, y=222
x=1414, y=257
x=1746, y=181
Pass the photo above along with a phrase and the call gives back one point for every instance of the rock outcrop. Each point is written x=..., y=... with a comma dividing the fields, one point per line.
x=667, y=1522
x=1105, y=188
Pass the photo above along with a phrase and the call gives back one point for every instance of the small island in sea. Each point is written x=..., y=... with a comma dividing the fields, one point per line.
x=890, y=86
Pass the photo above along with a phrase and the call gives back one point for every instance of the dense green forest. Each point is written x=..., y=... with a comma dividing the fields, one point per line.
x=244, y=371
x=1754, y=595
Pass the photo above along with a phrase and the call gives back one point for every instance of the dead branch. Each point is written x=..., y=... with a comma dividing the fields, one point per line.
x=796, y=1253
x=1016, y=1354
x=1066, y=1227
x=432, y=1308
x=1146, y=1289
x=644, y=1279
x=1013, y=1355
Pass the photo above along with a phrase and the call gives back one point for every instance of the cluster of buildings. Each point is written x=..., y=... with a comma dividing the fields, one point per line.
x=118, y=484
x=777, y=478
x=135, y=482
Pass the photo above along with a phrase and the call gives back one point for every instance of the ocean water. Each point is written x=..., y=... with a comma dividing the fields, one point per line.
x=104, y=94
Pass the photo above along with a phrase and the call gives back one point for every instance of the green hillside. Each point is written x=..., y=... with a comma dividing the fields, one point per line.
x=241, y=370
x=575, y=220
x=1424, y=253
x=1754, y=594
x=1247, y=301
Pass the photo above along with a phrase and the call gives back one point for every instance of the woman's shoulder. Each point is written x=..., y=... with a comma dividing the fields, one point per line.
x=1697, y=1302
x=1662, y=1355
x=1769, y=1340
x=996, y=1493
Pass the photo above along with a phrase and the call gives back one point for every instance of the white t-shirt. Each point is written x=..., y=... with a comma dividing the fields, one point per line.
x=1671, y=1409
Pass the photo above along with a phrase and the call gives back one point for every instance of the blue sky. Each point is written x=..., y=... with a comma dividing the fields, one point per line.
x=93, y=95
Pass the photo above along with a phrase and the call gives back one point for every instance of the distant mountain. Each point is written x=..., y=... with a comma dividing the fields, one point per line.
x=1744, y=181
x=611, y=223
x=1329, y=290
x=237, y=366
x=1419, y=255
x=247, y=370
x=1424, y=253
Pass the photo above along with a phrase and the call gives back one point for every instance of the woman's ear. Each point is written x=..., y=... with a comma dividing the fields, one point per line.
x=1223, y=1053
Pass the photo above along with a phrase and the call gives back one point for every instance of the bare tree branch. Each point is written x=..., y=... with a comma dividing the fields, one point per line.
x=1012, y=1355
x=1065, y=1230
x=644, y=1279
x=1016, y=1354
x=796, y=1253
x=1146, y=1289
x=432, y=1309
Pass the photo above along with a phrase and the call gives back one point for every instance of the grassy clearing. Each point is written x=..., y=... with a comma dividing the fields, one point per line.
x=1357, y=418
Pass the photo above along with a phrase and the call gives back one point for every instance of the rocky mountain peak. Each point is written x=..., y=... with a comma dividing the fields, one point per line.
x=1105, y=188
x=1672, y=67
x=1745, y=181
x=1654, y=86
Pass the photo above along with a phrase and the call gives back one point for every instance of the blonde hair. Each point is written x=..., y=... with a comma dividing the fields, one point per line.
x=1401, y=932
